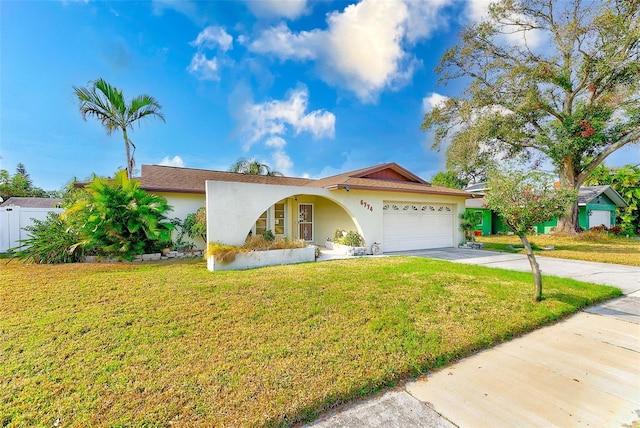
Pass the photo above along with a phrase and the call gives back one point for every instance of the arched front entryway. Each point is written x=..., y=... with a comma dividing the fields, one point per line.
x=235, y=209
x=311, y=218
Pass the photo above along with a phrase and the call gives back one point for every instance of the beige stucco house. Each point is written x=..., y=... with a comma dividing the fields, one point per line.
x=387, y=204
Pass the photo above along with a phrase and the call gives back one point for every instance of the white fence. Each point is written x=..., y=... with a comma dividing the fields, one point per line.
x=14, y=219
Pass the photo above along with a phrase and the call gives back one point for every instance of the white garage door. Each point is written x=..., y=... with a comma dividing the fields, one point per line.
x=598, y=217
x=417, y=226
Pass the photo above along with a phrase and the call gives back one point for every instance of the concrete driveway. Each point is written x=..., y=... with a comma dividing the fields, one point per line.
x=581, y=372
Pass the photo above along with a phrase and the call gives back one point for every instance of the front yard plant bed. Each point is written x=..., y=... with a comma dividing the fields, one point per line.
x=168, y=343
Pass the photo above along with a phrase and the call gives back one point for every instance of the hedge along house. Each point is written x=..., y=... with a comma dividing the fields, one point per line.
x=386, y=204
x=597, y=206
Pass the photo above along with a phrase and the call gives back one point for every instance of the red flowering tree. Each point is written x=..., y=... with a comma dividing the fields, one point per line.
x=553, y=80
x=523, y=199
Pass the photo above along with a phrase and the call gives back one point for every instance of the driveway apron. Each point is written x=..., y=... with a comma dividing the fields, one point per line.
x=581, y=372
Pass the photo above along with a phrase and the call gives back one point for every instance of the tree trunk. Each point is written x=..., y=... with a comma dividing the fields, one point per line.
x=127, y=149
x=569, y=222
x=535, y=269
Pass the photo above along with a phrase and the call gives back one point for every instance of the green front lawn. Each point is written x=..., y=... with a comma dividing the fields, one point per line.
x=590, y=246
x=155, y=344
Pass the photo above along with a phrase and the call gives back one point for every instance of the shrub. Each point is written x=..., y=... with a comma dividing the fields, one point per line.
x=468, y=222
x=52, y=240
x=120, y=218
x=616, y=230
x=268, y=235
x=351, y=238
x=628, y=229
x=195, y=224
x=601, y=228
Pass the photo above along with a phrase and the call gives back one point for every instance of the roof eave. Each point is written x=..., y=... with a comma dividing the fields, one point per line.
x=615, y=197
x=388, y=189
x=171, y=190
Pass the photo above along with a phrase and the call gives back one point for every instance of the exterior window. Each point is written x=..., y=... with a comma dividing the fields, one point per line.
x=481, y=216
x=279, y=219
x=261, y=223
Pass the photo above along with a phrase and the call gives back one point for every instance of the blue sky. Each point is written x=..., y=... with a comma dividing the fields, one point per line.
x=310, y=88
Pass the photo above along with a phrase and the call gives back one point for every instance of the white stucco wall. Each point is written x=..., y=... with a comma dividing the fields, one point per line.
x=232, y=209
x=182, y=205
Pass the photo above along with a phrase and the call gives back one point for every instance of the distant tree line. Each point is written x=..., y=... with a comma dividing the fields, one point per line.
x=20, y=184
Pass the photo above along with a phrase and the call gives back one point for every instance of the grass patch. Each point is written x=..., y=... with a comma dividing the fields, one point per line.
x=155, y=344
x=588, y=246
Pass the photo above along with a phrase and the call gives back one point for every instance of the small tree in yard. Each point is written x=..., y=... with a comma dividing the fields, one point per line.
x=524, y=199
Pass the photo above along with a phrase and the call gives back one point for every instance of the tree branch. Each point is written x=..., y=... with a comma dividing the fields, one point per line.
x=627, y=139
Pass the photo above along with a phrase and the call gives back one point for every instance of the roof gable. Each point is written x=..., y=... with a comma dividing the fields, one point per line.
x=390, y=172
x=586, y=194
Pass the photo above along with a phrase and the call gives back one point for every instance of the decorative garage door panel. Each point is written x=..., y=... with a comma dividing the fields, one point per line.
x=417, y=226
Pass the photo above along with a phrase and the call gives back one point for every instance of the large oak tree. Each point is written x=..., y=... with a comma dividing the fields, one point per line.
x=572, y=97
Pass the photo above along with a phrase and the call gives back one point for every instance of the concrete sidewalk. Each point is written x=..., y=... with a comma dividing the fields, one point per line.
x=581, y=372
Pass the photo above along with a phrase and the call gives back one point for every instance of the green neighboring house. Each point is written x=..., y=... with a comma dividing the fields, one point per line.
x=597, y=206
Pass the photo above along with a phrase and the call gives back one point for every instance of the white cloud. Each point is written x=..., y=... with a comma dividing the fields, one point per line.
x=205, y=69
x=282, y=162
x=363, y=48
x=185, y=7
x=270, y=122
x=432, y=101
x=352, y=160
x=291, y=9
x=213, y=36
x=276, y=142
x=275, y=118
x=284, y=44
x=175, y=161
x=424, y=18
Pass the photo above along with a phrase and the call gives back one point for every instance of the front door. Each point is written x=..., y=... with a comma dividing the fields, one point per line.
x=305, y=222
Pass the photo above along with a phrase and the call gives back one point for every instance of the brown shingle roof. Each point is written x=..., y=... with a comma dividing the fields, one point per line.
x=32, y=202
x=187, y=180
x=161, y=178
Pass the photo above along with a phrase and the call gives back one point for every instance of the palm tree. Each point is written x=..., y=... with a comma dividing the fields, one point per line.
x=107, y=104
x=253, y=167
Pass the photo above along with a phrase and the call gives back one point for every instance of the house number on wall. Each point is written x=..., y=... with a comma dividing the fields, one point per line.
x=366, y=205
